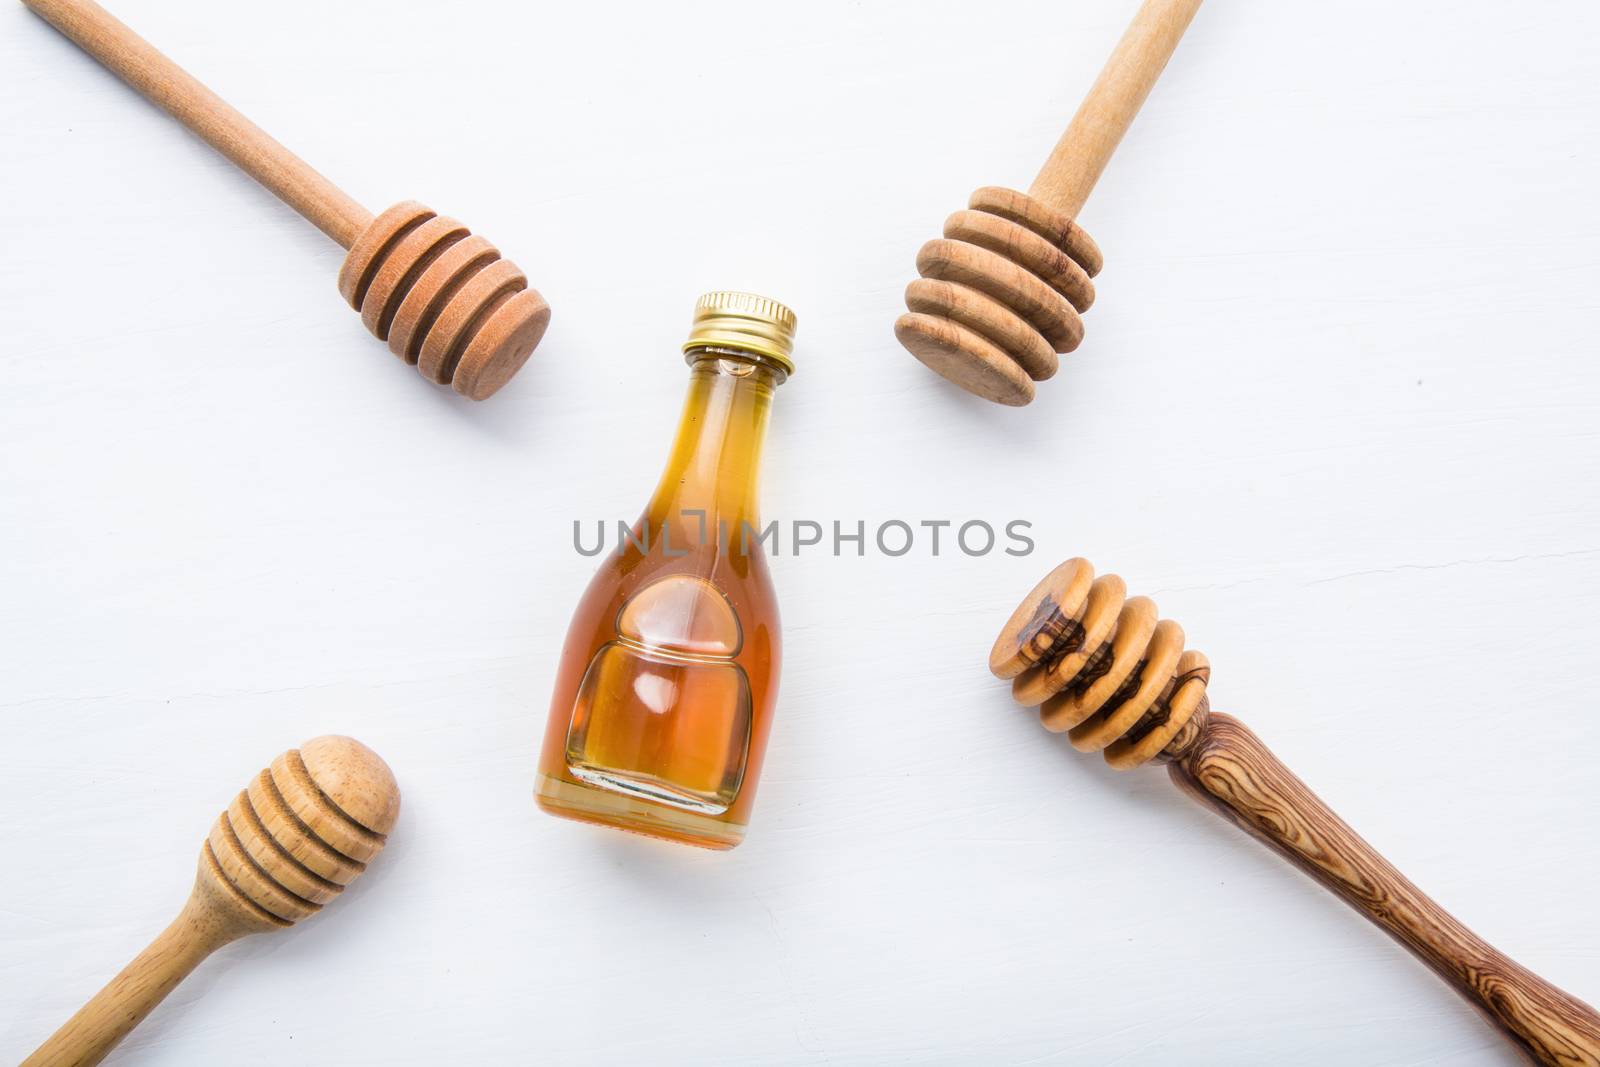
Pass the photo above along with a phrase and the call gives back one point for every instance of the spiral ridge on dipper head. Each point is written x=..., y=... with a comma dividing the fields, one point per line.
x=1103, y=667
x=443, y=299
x=301, y=831
x=1001, y=293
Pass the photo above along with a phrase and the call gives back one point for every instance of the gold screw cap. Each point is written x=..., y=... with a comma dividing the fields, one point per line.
x=746, y=322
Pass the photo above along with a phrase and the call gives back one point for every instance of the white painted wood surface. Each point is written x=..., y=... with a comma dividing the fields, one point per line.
x=1337, y=413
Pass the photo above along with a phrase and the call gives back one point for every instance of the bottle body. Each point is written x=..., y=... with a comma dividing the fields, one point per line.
x=664, y=696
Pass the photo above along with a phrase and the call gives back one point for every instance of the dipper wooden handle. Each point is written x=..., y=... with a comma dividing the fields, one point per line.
x=288, y=844
x=443, y=299
x=1116, y=678
x=1070, y=174
x=1231, y=770
x=1004, y=290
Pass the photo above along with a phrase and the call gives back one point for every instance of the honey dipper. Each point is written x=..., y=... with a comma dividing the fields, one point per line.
x=1118, y=680
x=441, y=296
x=1003, y=290
x=300, y=832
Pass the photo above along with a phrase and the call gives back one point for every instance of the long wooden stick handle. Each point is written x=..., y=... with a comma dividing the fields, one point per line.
x=133, y=59
x=99, y=1025
x=1230, y=769
x=1106, y=113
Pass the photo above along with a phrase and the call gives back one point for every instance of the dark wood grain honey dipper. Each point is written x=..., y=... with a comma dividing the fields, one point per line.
x=1113, y=675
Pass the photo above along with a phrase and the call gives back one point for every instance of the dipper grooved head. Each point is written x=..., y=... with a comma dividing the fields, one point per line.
x=1000, y=295
x=1103, y=667
x=443, y=299
x=300, y=832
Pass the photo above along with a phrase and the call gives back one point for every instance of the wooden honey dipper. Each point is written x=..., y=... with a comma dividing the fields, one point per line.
x=300, y=832
x=1117, y=679
x=1003, y=290
x=441, y=296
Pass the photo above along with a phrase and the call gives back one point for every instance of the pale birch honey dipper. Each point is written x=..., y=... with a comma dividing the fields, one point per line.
x=441, y=296
x=1106, y=670
x=290, y=842
x=1003, y=291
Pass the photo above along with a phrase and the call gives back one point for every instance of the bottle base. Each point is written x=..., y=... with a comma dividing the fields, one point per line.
x=586, y=803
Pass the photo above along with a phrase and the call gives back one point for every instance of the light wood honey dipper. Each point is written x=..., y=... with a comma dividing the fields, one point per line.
x=441, y=296
x=1003, y=290
x=300, y=832
x=1117, y=679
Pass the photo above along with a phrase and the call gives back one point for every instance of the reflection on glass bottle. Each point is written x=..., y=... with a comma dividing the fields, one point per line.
x=667, y=682
x=663, y=711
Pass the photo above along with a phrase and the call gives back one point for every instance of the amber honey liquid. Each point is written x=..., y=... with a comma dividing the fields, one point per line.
x=664, y=696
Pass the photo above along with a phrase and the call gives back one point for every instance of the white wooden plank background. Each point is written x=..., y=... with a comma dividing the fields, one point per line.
x=1337, y=412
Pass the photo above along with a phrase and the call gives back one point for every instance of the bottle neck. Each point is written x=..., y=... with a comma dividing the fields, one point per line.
x=715, y=465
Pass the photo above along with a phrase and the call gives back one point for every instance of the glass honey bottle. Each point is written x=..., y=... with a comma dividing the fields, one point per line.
x=664, y=695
